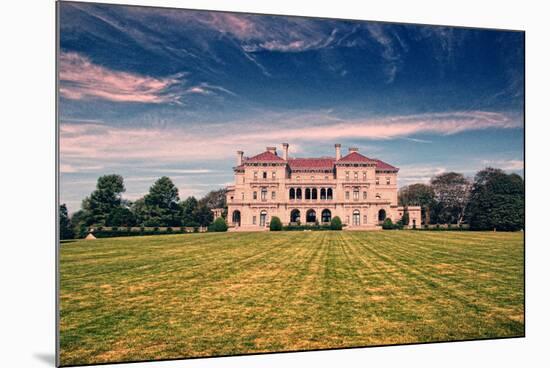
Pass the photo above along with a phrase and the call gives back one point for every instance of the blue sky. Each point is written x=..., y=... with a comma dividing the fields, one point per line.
x=147, y=92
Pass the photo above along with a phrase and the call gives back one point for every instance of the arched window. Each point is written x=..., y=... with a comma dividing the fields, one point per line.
x=329, y=193
x=381, y=215
x=298, y=193
x=291, y=193
x=314, y=193
x=325, y=216
x=311, y=216
x=308, y=193
x=263, y=218
x=295, y=216
x=236, y=218
x=356, y=218
x=323, y=194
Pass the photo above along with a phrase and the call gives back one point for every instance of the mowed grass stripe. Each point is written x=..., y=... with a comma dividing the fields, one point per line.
x=215, y=294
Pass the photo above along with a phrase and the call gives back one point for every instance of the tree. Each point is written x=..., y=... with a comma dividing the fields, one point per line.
x=405, y=218
x=104, y=199
x=451, y=192
x=336, y=223
x=188, y=211
x=81, y=221
x=215, y=199
x=418, y=195
x=387, y=224
x=161, y=205
x=497, y=201
x=203, y=215
x=121, y=216
x=275, y=224
x=219, y=225
x=65, y=226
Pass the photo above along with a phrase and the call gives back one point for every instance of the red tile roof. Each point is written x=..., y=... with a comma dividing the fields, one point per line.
x=264, y=157
x=381, y=165
x=354, y=157
x=323, y=163
x=319, y=163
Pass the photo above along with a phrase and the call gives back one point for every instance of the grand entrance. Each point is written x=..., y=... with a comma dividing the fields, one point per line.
x=326, y=216
x=263, y=217
x=295, y=216
x=236, y=218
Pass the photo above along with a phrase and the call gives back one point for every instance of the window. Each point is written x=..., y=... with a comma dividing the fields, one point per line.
x=272, y=195
x=263, y=218
x=387, y=181
x=312, y=178
x=347, y=175
x=347, y=195
x=326, y=177
x=308, y=193
x=325, y=216
x=329, y=193
x=264, y=194
x=292, y=193
x=242, y=196
x=356, y=194
x=299, y=193
x=356, y=218
x=243, y=179
x=378, y=196
x=364, y=219
x=255, y=175
x=377, y=181
x=314, y=193
x=323, y=194
x=255, y=195
x=364, y=176
x=355, y=175
x=298, y=177
x=365, y=194
x=253, y=220
x=273, y=175
x=347, y=219
x=264, y=175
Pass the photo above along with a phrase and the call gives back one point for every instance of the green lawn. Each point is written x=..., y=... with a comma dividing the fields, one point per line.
x=176, y=296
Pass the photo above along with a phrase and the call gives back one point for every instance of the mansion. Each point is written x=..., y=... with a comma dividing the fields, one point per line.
x=361, y=191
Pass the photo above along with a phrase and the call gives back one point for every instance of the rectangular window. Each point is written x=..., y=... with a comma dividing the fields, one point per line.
x=255, y=175
x=355, y=175
x=242, y=196
x=255, y=195
x=272, y=195
x=347, y=175
x=377, y=181
x=253, y=220
x=264, y=194
x=264, y=175
x=356, y=194
x=364, y=219
x=364, y=176
x=387, y=181
x=273, y=175
x=365, y=195
x=347, y=195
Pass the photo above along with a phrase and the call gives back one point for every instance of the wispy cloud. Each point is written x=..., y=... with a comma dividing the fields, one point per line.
x=508, y=165
x=80, y=79
x=102, y=143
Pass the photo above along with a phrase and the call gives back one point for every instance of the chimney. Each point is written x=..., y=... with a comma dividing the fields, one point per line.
x=271, y=149
x=285, y=151
x=353, y=149
x=338, y=153
x=240, y=158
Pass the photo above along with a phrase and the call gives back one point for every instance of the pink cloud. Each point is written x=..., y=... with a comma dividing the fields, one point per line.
x=80, y=78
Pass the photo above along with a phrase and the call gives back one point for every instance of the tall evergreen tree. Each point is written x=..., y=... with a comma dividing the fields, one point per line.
x=65, y=226
x=104, y=199
x=161, y=204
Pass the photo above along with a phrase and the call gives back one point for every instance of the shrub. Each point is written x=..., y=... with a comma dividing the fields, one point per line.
x=336, y=223
x=219, y=225
x=388, y=224
x=398, y=225
x=405, y=219
x=275, y=224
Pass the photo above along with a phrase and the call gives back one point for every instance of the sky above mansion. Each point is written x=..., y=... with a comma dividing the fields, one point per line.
x=146, y=92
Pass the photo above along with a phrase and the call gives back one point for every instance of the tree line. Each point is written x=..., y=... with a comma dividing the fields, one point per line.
x=160, y=207
x=493, y=200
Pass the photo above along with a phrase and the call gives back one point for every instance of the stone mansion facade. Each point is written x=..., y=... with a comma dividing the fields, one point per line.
x=360, y=190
